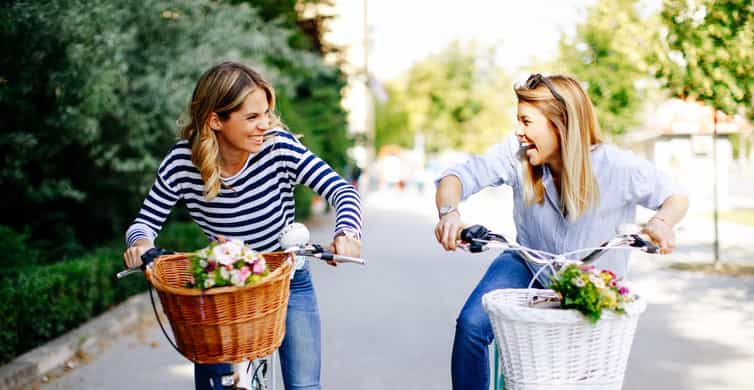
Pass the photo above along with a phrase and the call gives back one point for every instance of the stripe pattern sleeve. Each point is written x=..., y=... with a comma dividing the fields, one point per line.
x=156, y=207
x=320, y=177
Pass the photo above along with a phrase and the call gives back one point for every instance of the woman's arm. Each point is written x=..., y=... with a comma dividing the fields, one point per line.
x=316, y=174
x=155, y=209
x=447, y=198
x=660, y=226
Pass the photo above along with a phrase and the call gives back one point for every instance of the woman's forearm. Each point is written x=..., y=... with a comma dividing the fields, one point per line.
x=449, y=192
x=673, y=209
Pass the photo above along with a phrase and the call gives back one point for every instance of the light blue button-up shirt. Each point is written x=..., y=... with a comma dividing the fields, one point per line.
x=625, y=180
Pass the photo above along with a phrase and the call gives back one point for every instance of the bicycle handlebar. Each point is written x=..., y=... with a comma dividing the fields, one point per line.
x=319, y=252
x=146, y=259
x=308, y=250
x=477, y=238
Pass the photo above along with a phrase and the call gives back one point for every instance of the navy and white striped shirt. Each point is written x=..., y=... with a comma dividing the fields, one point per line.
x=254, y=204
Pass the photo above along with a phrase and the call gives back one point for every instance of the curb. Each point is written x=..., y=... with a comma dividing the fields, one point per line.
x=27, y=370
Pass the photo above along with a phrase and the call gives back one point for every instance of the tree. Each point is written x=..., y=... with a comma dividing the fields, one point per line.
x=90, y=92
x=457, y=98
x=708, y=55
x=608, y=53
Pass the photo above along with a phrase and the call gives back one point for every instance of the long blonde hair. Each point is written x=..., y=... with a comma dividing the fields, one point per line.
x=222, y=89
x=570, y=111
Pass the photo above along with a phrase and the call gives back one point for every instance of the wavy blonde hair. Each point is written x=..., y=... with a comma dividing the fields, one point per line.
x=577, y=128
x=222, y=89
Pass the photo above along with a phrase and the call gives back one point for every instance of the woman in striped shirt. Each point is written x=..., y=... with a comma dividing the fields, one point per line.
x=235, y=169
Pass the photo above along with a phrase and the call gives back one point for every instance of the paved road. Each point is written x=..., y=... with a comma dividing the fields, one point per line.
x=390, y=325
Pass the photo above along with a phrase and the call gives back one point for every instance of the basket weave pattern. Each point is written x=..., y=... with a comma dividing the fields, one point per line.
x=223, y=324
x=559, y=349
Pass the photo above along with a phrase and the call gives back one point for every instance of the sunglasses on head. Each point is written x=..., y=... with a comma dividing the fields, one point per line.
x=536, y=79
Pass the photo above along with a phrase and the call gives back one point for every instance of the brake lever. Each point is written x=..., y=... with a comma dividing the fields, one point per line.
x=639, y=242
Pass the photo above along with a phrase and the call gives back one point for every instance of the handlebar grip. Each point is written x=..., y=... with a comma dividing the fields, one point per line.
x=146, y=258
x=474, y=231
x=648, y=245
x=151, y=254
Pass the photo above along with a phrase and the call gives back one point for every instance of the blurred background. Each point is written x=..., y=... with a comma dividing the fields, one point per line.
x=390, y=93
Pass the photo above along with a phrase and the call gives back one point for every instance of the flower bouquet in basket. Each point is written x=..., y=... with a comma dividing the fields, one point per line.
x=230, y=263
x=588, y=290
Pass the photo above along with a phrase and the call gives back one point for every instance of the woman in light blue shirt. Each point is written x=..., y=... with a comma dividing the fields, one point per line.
x=570, y=191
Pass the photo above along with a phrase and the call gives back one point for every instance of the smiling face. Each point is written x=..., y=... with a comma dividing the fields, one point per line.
x=243, y=131
x=536, y=131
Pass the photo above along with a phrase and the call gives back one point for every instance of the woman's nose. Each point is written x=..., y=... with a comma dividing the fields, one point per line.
x=264, y=122
x=520, y=131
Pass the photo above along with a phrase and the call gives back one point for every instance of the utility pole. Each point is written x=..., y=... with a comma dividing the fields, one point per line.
x=716, y=245
x=369, y=112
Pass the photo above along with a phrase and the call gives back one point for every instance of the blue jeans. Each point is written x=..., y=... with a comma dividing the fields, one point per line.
x=300, y=353
x=470, y=364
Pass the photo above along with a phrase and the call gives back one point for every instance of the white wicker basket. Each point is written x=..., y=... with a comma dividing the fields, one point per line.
x=559, y=349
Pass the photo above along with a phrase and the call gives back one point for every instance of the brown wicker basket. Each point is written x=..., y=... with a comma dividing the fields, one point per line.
x=223, y=324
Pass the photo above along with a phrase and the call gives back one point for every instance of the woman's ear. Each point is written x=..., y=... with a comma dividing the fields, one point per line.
x=214, y=122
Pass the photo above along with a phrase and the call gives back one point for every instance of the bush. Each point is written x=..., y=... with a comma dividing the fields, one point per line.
x=90, y=109
x=41, y=302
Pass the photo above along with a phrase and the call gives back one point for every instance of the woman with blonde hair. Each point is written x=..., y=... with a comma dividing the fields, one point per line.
x=235, y=169
x=570, y=190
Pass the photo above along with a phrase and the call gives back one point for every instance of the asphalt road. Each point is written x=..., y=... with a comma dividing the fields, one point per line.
x=389, y=325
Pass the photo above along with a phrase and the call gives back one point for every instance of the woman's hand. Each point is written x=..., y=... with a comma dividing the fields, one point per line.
x=448, y=229
x=345, y=246
x=661, y=233
x=132, y=255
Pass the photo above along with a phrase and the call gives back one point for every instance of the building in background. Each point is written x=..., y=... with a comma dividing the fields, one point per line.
x=677, y=136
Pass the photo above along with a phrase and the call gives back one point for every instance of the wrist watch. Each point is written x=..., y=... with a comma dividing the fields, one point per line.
x=445, y=210
x=350, y=233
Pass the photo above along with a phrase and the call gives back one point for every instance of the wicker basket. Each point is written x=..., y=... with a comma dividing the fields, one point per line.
x=559, y=349
x=223, y=324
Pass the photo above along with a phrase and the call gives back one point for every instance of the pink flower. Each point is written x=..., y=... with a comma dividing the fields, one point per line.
x=623, y=291
x=612, y=275
x=238, y=277
x=259, y=266
x=244, y=273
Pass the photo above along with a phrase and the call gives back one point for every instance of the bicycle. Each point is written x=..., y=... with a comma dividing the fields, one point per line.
x=293, y=239
x=477, y=238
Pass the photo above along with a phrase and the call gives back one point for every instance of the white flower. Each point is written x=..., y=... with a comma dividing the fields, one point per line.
x=578, y=282
x=203, y=263
x=228, y=252
x=235, y=278
x=224, y=273
x=209, y=282
x=597, y=281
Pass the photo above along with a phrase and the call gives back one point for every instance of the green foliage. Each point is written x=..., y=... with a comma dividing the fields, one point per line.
x=90, y=108
x=708, y=52
x=608, y=53
x=42, y=302
x=590, y=291
x=456, y=98
x=16, y=248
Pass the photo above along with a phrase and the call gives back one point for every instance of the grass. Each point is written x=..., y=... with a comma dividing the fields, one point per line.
x=725, y=269
x=742, y=216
